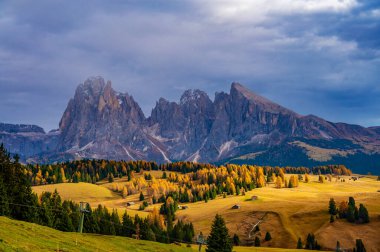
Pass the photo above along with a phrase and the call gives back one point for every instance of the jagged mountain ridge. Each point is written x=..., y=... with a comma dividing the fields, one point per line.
x=239, y=127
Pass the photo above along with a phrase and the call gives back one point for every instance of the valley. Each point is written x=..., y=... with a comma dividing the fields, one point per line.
x=289, y=213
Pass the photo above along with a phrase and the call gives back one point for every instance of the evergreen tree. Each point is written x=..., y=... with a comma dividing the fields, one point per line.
x=363, y=214
x=236, y=240
x=299, y=243
x=141, y=196
x=268, y=237
x=127, y=226
x=219, y=240
x=351, y=201
x=16, y=188
x=332, y=207
x=332, y=219
x=257, y=242
x=337, y=249
x=351, y=213
x=311, y=242
x=257, y=228
x=359, y=246
x=4, y=204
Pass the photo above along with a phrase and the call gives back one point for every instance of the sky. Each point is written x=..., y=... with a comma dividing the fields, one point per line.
x=318, y=57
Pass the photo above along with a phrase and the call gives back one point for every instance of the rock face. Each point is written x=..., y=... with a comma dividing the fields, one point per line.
x=27, y=140
x=100, y=123
x=240, y=127
x=182, y=127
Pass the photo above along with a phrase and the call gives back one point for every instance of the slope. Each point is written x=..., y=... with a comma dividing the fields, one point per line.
x=24, y=236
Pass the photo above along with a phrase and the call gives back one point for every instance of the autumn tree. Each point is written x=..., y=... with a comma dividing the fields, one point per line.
x=321, y=179
x=278, y=183
x=343, y=207
x=307, y=178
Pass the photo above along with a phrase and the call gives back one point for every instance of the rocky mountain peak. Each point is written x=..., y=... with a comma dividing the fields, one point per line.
x=238, y=91
x=193, y=95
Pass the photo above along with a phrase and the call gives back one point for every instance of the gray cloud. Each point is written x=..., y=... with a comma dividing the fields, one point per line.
x=321, y=58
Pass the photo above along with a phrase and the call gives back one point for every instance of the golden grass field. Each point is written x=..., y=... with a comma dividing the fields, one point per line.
x=291, y=212
x=295, y=212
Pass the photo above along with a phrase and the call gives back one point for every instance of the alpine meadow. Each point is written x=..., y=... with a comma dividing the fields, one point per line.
x=208, y=126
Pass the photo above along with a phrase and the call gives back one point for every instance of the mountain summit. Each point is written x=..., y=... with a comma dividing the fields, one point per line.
x=241, y=127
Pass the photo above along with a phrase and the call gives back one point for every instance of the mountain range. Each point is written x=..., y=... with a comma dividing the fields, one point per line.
x=239, y=127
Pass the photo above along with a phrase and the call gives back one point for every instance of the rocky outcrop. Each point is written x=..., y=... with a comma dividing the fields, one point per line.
x=27, y=140
x=100, y=123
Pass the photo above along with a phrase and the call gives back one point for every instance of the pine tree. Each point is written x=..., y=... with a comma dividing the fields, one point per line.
x=268, y=237
x=257, y=242
x=141, y=196
x=236, y=240
x=351, y=213
x=257, y=228
x=299, y=243
x=311, y=242
x=359, y=246
x=363, y=214
x=332, y=207
x=219, y=240
x=4, y=203
x=337, y=249
x=351, y=201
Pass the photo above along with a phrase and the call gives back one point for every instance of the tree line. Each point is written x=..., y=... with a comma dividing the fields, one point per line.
x=92, y=171
x=17, y=201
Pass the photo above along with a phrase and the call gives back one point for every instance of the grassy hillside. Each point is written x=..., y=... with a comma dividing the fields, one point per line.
x=93, y=194
x=23, y=236
x=290, y=212
x=295, y=212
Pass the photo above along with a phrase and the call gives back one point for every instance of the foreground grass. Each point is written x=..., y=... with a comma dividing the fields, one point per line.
x=24, y=236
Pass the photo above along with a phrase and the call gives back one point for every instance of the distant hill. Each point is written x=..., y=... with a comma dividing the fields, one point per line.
x=239, y=127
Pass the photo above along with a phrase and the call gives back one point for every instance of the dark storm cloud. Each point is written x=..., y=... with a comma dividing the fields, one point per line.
x=319, y=57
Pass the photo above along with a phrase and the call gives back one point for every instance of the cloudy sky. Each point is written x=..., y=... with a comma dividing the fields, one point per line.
x=317, y=57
